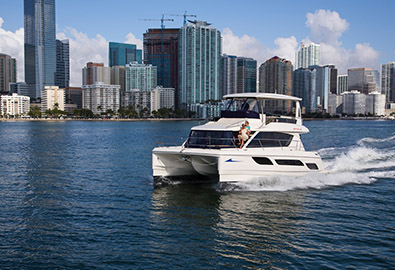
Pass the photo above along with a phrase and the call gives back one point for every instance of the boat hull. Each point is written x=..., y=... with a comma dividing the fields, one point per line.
x=233, y=165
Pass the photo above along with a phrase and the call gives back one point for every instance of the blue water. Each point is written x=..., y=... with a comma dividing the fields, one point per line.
x=80, y=195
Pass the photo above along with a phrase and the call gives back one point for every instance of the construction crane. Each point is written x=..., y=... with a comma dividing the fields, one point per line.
x=162, y=27
x=185, y=16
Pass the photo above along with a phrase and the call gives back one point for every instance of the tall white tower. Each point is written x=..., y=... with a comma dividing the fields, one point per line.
x=308, y=55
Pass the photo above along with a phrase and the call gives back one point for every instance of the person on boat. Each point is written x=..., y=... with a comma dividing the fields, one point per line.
x=243, y=135
x=247, y=125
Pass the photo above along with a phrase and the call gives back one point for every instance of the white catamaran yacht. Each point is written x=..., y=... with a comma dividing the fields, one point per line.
x=274, y=146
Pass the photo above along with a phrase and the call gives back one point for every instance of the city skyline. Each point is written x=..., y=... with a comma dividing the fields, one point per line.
x=347, y=38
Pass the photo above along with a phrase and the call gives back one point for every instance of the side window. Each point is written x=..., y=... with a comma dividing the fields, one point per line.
x=271, y=139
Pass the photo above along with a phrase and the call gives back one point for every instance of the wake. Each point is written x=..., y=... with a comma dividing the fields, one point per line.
x=366, y=162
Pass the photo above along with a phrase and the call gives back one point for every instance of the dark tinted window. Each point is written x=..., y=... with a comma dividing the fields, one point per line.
x=270, y=139
x=210, y=139
x=289, y=162
x=262, y=160
x=312, y=166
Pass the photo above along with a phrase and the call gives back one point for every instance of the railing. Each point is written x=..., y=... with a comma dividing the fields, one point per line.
x=218, y=143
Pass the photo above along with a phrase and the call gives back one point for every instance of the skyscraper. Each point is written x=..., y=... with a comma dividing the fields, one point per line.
x=342, y=84
x=7, y=73
x=161, y=50
x=307, y=55
x=62, y=77
x=275, y=76
x=364, y=80
x=140, y=77
x=121, y=54
x=386, y=80
x=96, y=72
x=229, y=75
x=246, y=75
x=200, y=49
x=40, y=45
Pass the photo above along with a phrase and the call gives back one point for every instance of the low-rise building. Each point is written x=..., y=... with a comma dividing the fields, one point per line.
x=375, y=103
x=100, y=97
x=51, y=96
x=15, y=105
x=162, y=98
x=354, y=102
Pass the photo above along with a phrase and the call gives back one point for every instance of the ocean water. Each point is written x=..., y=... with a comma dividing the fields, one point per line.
x=80, y=195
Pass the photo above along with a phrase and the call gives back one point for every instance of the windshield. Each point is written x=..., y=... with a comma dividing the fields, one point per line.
x=211, y=139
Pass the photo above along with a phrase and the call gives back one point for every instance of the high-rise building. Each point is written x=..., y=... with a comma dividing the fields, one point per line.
x=354, y=102
x=62, y=76
x=96, y=72
x=275, y=76
x=7, y=73
x=74, y=96
x=100, y=97
x=364, y=80
x=52, y=96
x=342, y=84
x=140, y=77
x=229, y=75
x=121, y=54
x=386, y=80
x=40, y=45
x=308, y=55
x=161, y=50
x=15, y=105
x=303, y=88
x=246, y=75
x=19, y=88
x=200, y=49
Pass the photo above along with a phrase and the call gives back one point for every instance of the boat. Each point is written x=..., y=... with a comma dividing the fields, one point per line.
x=212, y=150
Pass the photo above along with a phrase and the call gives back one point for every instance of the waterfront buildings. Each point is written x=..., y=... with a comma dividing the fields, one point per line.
x=62, y=76
x=96, y=72
x=140, y=77
x=100, y=97
x=388, y=81
x=308, y=55
x=342, y=84
x=162, y=98
x=19, y=88
x=51, y=97
x=375, y=103
x=200, y=47
x=121, y=54
x=364, y=80
x=161, y=50
x=275, y=76
x=40, y=45
x=246, y=75
x=14, y=105
x=7, y=73
x=74, y=96
x=229, y=75
x=354, y=102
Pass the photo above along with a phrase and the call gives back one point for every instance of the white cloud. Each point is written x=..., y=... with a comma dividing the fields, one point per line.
x=286, y=48
x=130, y=38
x=326, y=26
x=245, y=46
x=11, y=43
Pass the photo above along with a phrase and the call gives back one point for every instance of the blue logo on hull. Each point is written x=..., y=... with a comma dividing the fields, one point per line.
x=231, y=160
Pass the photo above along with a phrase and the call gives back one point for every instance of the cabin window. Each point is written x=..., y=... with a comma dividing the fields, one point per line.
x=262, y=160
x=289, y=162
x=210, y=139
x=312, y=166
x=270, y=139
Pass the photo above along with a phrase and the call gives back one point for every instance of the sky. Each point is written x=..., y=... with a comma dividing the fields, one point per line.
x=352, y=33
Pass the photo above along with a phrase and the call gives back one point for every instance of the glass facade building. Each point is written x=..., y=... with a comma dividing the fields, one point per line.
x=200, y=47
x=121, y=54
x=40, y=45
x=62, y=77
x=387, y=80
x=229, y=75
x=140, y=77
x=364, y=80
x=7, y=73
x=246, y=75
x=308, y=55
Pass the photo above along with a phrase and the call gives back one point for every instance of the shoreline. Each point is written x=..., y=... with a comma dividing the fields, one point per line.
x=170, y=119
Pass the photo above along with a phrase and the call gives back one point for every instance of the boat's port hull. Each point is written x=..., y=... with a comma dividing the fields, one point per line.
x=233, y=165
